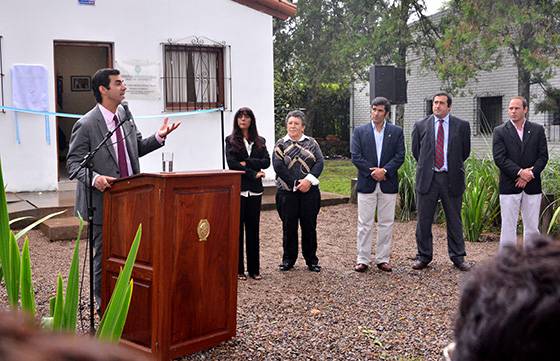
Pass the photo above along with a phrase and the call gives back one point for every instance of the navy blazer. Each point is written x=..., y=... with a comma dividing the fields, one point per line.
x=511, y=155
x=424, y=150
x=364, y=157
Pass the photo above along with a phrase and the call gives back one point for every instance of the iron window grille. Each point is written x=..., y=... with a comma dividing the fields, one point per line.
x=428, y=107
x=487, y=111
x=193, y=77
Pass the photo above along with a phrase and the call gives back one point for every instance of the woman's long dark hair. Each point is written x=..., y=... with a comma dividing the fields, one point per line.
x=237, y=134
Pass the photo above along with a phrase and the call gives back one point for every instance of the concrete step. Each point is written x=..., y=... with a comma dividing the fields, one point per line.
x=63, y=228
x=327, y=199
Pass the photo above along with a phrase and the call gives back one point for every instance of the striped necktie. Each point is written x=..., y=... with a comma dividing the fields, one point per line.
x=439, y=146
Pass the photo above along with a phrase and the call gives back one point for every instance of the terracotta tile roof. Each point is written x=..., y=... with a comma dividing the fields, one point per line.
x=282, y=9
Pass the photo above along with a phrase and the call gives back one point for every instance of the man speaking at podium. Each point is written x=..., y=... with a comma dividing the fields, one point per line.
x=118, y=158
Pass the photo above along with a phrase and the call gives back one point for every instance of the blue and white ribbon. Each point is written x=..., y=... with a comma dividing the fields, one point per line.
x=77, y=116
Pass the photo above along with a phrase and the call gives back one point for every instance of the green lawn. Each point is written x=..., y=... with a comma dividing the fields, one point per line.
x=336, y=176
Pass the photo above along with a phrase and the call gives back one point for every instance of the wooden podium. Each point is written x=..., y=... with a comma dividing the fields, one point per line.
x=185, y=276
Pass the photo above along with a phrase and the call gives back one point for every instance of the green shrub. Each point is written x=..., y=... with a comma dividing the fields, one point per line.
x=481, y=200
x=407, y=189
x=551, y=189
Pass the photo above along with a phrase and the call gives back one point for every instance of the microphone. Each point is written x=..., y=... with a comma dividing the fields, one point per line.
x=127, y=112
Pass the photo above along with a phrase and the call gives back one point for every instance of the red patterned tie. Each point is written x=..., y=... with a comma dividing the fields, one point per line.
x=121, y=155
x=439, y=145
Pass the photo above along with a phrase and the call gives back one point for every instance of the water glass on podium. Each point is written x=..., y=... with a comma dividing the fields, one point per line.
x=167, y=161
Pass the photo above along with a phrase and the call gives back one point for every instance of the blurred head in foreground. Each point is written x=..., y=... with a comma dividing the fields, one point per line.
x=21, y=340
x=510, y=307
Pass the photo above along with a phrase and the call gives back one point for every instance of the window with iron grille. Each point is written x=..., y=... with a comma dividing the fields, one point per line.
x=488, y=114
x=193, y=77
x=428, y=105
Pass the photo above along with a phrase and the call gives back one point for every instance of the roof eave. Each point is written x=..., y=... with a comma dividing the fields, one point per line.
x=280, y=9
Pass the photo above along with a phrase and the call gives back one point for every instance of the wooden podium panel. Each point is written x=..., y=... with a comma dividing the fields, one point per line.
x=185, y=286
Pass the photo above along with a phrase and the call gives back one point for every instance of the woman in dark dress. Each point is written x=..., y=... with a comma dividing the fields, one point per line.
x=246, y=151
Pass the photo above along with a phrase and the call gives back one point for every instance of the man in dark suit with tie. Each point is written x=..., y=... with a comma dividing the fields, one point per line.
x=378, y=152
x=117, y=159
x=520, y=152
x=440, y=144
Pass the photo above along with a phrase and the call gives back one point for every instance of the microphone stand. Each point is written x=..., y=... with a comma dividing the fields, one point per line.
x=88, y=165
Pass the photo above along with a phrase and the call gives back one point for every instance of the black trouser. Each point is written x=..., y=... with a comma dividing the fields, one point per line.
x=249, y=219
x=426, y=205
x=302, y=208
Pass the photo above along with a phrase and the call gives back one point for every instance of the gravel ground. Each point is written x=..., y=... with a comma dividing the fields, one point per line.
x=337, y=314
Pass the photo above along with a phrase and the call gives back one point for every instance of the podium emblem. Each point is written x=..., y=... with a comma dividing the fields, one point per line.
x=203, y=229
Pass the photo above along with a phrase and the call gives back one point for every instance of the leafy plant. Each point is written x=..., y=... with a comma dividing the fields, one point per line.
x=554, y=220
x=114, y=318
x=551, y=178
x=551, y=190
x=481, y=198
x=15, y=266
x=407, y=188
x=64, y=308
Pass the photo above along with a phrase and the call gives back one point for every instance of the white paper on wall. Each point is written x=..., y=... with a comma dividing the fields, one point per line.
x=30, y=92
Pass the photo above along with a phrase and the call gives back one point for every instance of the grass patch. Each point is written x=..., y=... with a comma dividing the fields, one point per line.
x=336, y=176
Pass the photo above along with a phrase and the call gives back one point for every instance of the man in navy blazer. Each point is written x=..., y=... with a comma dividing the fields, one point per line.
x=520, y=152
x=378, y=152
x=440, y=144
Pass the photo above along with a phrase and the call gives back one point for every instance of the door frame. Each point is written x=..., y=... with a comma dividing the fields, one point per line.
x=76, y=43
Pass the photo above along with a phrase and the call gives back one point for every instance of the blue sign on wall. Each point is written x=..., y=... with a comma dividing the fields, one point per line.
x=87, y=2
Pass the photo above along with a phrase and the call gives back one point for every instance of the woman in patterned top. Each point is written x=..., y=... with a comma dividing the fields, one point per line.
x=246, y=151
x=298, y=163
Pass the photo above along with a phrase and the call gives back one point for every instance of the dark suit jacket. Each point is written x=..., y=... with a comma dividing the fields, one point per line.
x=364, y=157
x=257, y=160
x=511, y=155
x=87, y=133
x=458, y=150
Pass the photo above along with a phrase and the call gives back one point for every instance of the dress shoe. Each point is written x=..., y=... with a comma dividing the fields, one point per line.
x=242, y=277
x=256, y=277
x=314, y=268
x=418, y=265
x=360, y=267
x=462, y=266
x=285, y=267
x=385, y=267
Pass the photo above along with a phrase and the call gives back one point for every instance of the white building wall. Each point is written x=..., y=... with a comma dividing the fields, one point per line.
x=137, y=29
x=360, y=105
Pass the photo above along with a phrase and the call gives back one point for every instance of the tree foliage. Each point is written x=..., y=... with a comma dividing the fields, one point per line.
x=550, y=102
x=304, y=57
x=478, y=33
x=329, y=44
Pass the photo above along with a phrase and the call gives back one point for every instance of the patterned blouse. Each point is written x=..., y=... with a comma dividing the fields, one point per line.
x=295, y=160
